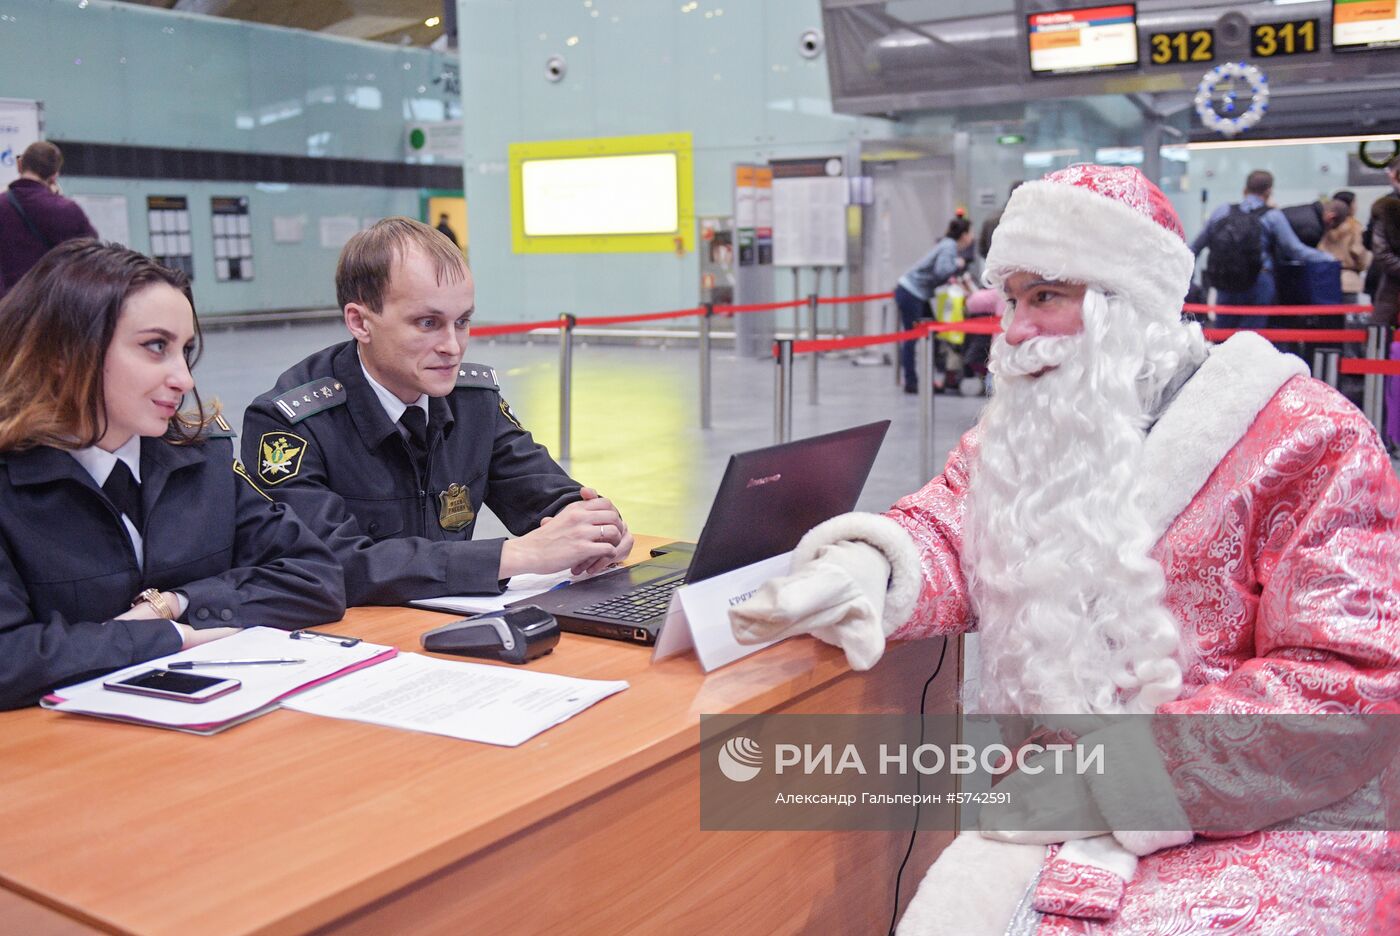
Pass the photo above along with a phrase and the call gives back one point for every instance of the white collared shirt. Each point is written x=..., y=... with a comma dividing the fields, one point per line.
x=99, y=463
x=393, y=407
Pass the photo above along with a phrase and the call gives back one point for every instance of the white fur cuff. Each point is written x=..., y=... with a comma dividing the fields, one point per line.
x=973, y=888
x=1144, y=792
x=906, y=572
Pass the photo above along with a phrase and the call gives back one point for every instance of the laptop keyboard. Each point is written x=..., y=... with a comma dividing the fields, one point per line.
x=640, y=604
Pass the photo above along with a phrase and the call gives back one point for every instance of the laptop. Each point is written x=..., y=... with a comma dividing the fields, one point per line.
x=766, y=501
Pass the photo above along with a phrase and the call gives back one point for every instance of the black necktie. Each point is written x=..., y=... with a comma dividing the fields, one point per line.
x=416, y=425
x=124, y=493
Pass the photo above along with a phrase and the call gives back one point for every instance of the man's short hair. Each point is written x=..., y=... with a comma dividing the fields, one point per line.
x=958, y=227
x=1345, y=195
x=1260, y=182
x=367, y=260
x=42, y=159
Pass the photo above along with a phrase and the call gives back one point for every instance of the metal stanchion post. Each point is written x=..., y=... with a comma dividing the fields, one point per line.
x=566, y=376
x=782, y=392
x=1371, y=385
x=812, y=333
x=887, y=327
x=1373, y=397
x=1331, y=367
x=926, y=408
x=1317, y=363
x=796, y=294
x=705, y=364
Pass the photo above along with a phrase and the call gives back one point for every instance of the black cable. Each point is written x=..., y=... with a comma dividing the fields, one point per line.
x=918, y=780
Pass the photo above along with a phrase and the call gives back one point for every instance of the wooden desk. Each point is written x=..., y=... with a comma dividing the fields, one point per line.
x=293, y=823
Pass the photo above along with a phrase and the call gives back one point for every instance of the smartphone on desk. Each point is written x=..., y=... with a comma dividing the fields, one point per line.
x=179, y=687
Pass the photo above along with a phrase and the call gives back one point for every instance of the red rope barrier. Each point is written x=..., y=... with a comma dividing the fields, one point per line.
x=838, y=300
x=1304, y=335
x=487, y=331
x=860, y=341
x=1360, y=366
x=1201, y=308
x=759, y=307
x=645, y=317
x=989, y=325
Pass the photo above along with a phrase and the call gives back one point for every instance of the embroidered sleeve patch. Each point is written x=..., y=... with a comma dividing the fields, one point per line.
x=279, y=456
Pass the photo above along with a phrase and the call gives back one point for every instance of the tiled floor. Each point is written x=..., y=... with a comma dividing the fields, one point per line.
x=636, y=413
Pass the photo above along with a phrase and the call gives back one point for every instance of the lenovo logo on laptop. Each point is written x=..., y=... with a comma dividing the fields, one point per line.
x=760, y=482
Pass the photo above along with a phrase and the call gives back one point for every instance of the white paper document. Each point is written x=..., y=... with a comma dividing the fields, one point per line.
x=525, y=585
x=470, y=701
x=699, y=614
x=261, y=686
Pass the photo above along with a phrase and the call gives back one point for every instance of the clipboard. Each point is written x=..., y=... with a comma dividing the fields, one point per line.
x=327, y=657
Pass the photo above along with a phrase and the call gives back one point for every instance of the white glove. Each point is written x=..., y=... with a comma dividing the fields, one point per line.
x=1044, y=808
x=838, y=597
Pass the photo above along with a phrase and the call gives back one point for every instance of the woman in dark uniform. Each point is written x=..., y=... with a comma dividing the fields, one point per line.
x=127, y=529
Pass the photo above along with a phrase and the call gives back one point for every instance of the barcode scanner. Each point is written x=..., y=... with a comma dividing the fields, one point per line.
x=515, y=635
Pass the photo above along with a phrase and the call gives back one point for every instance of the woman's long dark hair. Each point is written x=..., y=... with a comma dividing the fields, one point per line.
x=56, y=325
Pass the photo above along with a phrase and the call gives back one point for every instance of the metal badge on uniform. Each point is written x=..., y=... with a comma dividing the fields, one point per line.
x=456, y=510
x=281, y=454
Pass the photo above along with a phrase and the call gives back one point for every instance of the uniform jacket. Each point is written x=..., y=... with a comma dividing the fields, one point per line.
x=67, y=567
x=1279, y=515
x=57, y=218
x=321, y=442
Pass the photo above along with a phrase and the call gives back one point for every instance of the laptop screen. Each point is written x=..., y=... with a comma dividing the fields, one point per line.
x=770, y=497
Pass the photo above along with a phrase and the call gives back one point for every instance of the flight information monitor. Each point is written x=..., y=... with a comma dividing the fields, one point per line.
x=1072, y=42
x=1365, y=24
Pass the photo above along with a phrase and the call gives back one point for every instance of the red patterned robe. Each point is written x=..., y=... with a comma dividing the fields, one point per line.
x=1279, y=514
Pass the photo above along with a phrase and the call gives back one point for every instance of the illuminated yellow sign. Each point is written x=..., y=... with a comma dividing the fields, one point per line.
x=1179, y=48
x=1296, y=37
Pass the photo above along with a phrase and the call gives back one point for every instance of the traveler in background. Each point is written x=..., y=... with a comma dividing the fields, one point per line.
x=1385, y=241
x=1245, y=239
x=34, y=217
x=1343, y=241
x=1311, y=221
x=128, y=530
x=989, y=226
x=916, y=287
x=1373, y=275
x=446, y=231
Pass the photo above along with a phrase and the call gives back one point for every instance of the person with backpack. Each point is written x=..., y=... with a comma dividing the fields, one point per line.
x=1244, y=241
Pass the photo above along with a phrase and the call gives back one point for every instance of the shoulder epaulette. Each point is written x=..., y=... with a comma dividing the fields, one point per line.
x=219, y=428
x=310, y=398
x=477, y=375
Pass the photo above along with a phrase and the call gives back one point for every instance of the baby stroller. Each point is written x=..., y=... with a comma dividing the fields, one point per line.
x=976, y=349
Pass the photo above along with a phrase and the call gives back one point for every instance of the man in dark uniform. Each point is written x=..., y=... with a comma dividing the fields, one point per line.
x=387, y=445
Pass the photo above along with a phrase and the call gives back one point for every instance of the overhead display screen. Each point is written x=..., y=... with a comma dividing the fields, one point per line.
x=1071, y=42
x=635, y=194
x=1365, y=24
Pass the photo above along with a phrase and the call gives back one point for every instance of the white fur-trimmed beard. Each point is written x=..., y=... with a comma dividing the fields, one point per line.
x=1057, y=548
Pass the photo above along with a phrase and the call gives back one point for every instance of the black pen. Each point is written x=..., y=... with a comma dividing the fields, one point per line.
x=191, y=664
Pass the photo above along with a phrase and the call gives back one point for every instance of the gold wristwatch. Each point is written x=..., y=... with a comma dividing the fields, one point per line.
x=154, y=598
